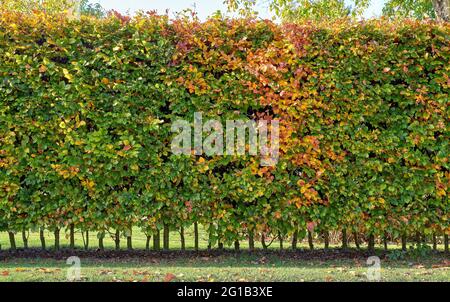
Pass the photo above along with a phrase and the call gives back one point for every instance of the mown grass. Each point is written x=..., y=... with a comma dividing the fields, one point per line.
x=224, y=268
x=214, y=267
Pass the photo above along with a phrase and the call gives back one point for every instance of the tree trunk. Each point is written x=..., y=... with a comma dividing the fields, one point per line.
x=157, y=241
x=281, y=241
x=220, y=246
x=12, y=241
x=42, y=238
x=310, y=240
x=72, y=236
x=129, y=243
x=166, y=237
x=147, y=243
x=442, y=9
x=371, y=245
x=57, y=239
x=355, y=234
x=251, y=241
x=404, y=248
x=210, y=235
x=100, y=241
x=25, y=239
x=236, y=246
x=418, y=238
x=182, y=239
x=344, y=239
x=86, y=244
x=196, y=236
x=294, y=240
x=434, y=242
x=385, y=241
x=117, y=240
x=263, y=242
x=446, y=243
x=326, y=239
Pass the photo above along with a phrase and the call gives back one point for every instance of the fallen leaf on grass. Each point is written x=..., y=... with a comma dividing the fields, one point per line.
x=5, y=273
x=328, y=278
x=169, y=277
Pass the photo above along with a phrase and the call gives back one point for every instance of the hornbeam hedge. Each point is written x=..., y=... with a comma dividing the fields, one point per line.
x=87, y=107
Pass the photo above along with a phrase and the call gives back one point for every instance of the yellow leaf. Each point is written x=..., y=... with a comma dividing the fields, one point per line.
x=67, y=74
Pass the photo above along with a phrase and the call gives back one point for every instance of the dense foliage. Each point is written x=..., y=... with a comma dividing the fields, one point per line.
x=87, y=107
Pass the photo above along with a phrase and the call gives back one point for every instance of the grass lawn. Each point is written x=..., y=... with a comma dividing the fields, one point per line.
x=144, y=266
x=224, y=268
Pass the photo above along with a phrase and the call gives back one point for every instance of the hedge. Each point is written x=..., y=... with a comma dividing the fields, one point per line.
x=87, y=107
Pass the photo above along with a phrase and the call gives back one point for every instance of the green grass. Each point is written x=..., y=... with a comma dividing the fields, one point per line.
x=227, y=267
x=224, y=268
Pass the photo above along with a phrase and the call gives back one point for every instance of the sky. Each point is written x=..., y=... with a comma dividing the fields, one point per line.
x=204, y=8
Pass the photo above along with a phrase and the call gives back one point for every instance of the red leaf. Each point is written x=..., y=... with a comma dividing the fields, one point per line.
x=169, y=277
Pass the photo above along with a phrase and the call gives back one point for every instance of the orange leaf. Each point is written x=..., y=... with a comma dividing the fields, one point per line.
x=169, y=277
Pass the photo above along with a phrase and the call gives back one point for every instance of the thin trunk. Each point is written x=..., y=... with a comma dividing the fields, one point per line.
x=129, y=243
x=12, y=241
x=166, y=237
x=57, y=247
x=42, y=238
x=434, y=242
x=355, y=234
x=251, y=241
x=147, y=243
x=446, y=243
x=182, y=239
x=281, y=240
x=344, y=239
x=157, y=241
x=371, y=244
x=25, y=239
x=72, y=236
x=210, y=235
x=385, y=241
x=196, y=236
x=117, y=240
x=263, y=242
x=100, y=241
x=294, y=240
x=310, y=240
x=130, y=240
x=236, y=246
x=418, y=238
x=86, y=244
x=404, y=243
x=326, y=239
x=220, y=246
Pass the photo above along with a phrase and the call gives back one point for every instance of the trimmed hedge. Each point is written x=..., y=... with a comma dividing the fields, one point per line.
x=87, y=106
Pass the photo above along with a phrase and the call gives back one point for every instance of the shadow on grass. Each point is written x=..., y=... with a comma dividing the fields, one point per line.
x=215, y=258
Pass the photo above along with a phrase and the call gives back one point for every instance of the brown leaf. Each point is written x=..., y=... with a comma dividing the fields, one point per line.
x=169, y=277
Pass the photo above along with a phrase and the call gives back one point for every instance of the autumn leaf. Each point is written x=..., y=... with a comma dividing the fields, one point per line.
x=169, y=277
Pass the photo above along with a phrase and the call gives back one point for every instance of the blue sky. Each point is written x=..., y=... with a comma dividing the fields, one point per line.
x=203, y=7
